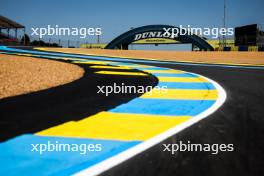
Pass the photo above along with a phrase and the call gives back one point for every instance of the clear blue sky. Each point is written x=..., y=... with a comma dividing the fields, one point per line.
x=117, y=16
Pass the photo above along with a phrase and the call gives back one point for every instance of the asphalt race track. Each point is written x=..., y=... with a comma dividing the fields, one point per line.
x=239, y=120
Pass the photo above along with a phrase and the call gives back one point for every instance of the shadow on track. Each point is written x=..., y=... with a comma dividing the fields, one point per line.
x=40, y=110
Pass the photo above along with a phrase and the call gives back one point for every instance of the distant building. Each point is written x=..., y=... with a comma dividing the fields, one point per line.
x=249, y=35
x=6, y=25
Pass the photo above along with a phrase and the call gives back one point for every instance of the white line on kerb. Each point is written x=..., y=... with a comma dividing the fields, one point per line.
x=129, y=153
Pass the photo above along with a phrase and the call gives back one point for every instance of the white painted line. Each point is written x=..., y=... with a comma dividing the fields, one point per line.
x=129, y=153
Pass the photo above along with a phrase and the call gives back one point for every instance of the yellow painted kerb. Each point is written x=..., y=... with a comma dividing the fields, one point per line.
x=116, y=126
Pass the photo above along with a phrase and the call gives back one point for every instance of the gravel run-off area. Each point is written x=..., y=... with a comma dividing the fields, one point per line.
x=21, y=75
x=231, y=57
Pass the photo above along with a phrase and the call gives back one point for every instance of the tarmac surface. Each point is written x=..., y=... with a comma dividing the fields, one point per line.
x=239, y=121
